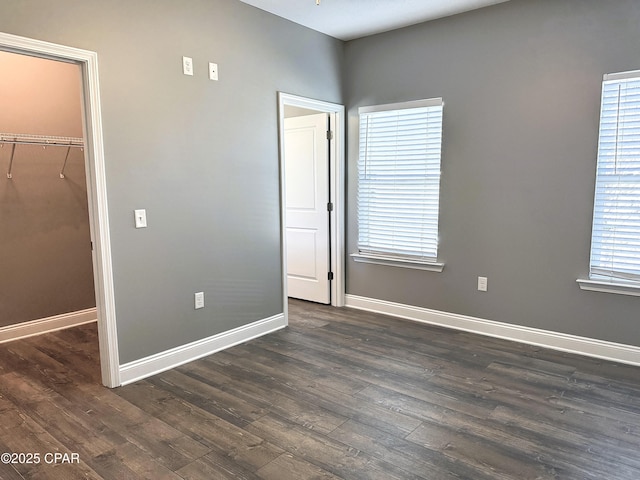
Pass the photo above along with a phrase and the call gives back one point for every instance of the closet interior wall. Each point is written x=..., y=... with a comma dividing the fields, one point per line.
x=45, y=246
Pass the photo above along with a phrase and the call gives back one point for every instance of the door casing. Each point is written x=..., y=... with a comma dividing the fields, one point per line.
x=336, y=188
x=96, y=189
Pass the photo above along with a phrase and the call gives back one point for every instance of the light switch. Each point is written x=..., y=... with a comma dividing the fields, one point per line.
x=141, y=218
x=199, y=300
x=213, y=71
x=187, y=65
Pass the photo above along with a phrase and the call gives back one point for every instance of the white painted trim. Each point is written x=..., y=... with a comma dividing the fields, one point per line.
x=609, y=77
x=427, y=102
x=46, y=325
x=609, y=287
x=398, y=262
x=589, y=347
x=96, y=190
x=336, y=185
x=160, y=362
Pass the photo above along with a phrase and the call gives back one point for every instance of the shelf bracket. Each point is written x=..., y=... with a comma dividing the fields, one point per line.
x=65, y=162
x=13, y=151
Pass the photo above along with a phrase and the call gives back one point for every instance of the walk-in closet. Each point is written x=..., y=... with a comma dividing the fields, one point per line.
x=45, y=244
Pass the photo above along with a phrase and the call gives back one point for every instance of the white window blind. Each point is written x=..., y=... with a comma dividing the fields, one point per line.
x=615, y=243
x=399, y=179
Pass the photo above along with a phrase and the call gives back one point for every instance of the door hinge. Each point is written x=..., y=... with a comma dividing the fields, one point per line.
x=91, y=246
x=330, y=275
x=329, y=135
x=329, y=207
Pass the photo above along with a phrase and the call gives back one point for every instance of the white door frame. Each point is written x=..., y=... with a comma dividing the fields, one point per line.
x=336, y=187
x=96, y=190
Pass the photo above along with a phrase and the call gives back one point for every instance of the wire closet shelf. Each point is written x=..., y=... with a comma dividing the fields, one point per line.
x=15, y=139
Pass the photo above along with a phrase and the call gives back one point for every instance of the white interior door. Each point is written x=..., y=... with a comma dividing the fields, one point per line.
x=307, y=197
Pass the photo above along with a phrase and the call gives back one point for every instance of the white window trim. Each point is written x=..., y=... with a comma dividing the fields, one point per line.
x=594, y=283
x=398, y=262
x=390, y=260
x=429, y=102
x=621, y=75
x=604, y=286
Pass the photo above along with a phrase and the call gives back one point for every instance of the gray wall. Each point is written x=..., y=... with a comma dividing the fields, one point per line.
x=45, y=255
x=200, y=156
x=521, y=83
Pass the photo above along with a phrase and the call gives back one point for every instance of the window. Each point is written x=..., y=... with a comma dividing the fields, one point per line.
x=615, y=243
x=399, y=183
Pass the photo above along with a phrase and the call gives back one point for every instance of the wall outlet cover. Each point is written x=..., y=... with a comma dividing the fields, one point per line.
x=187, y=65
x=141, y=218
x=199, y=300
x=213, y=71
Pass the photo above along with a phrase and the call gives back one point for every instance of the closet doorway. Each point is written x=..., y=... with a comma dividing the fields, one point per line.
x=45, y=240
x=307, y=229
x=307, y=267
x=54, y=241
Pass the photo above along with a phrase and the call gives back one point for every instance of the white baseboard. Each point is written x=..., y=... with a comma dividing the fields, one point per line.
x=145, y=367
x=45, y=325
x=590, y=347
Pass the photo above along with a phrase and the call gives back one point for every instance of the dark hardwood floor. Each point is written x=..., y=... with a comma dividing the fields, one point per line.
x=340, y=394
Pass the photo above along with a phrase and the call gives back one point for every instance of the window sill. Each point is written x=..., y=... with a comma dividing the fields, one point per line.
x=398, y=262
x=609, y=287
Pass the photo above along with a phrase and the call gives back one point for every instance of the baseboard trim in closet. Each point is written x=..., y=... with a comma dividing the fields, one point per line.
x=49, y=324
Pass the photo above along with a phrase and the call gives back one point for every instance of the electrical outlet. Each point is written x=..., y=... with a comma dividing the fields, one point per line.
x=199, y=300
x=482, y=284
x=187, y=65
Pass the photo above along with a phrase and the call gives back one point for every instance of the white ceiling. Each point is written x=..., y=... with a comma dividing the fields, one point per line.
x=349, y=19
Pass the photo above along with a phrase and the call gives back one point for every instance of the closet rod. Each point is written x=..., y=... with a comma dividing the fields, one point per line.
x=41, y=140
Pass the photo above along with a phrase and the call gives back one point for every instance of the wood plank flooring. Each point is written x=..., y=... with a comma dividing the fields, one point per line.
x=339, y=394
